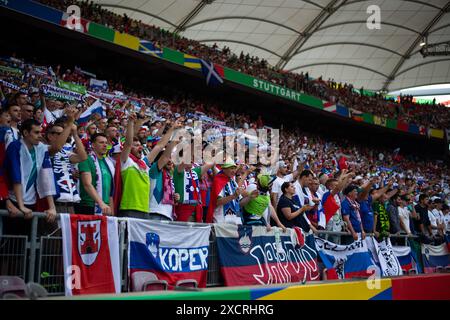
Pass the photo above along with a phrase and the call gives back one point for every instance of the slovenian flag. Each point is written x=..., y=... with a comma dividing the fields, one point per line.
x=404, y=256
x=167, y=252
x=434, y=256
x=96, y=107
x=90, y=254
x=347, y=261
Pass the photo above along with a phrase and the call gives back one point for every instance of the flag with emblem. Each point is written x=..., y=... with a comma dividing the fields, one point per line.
x=90, y=254
x=150, y=48
x=251, y=255
x=213, y=73
x=161, y=252
x=434, y=256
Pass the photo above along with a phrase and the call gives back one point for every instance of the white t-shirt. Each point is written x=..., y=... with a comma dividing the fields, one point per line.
x=435, y=219
x=276, y=186
x=404, y=217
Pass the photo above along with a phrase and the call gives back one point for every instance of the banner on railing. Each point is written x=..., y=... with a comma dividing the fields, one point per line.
x=251, y=256
x=347, y=261
x=384, y=257
x=90, y=254
x=168, y=252
x=434, y=256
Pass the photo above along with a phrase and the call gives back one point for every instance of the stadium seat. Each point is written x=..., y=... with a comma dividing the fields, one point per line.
x=12, y=286
x=447, y=269
x=35, y=291
x=139, y=278
x=186, y=283
x=155, y=285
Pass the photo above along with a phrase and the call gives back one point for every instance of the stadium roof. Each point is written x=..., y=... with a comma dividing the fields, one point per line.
x=324, y=37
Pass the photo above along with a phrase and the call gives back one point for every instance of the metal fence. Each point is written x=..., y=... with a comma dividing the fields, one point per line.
x=40, y=259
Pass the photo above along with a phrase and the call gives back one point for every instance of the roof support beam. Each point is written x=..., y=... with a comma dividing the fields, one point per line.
x=413, y=1
x=339, y=64
x=407, y=54
x=240, y=18
x=241, y=42
x=421, y=64
x=309, y=30
x=191, y=15
x=139, y=11
x=364, y=22
x=347, y=43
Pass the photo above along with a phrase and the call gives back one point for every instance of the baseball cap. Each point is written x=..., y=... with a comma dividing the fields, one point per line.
x=281, y=164
x=265, y=180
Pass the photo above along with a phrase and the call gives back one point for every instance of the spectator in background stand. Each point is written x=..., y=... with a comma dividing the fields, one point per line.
x=422, y=223
x=26, y=112
x=13, y=134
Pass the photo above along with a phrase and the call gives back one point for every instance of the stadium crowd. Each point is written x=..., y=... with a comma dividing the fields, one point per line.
x=405, y=110
x=110, y=152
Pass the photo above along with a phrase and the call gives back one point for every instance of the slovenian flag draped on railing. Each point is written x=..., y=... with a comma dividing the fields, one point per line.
x=405, y=257
x=346, y=261
x=96, y=107
x=90, y=254
x=434, y=256
x=168, y=252
x=253, y=256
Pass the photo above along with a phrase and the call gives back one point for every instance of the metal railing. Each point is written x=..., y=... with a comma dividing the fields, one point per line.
x=40, y=259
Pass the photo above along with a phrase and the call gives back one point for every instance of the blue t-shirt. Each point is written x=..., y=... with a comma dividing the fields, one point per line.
x=366, y=214
x=348, y=210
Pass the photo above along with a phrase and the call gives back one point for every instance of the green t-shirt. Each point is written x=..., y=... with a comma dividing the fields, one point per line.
x=89, y=166
x=135, y=187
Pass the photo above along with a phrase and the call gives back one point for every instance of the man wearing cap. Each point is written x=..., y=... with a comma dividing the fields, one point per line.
x=256, y=205
x=281, y=178
x=225, y=196
x=351, y=212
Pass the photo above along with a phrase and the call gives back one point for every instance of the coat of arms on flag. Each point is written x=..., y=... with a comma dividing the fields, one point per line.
x=89, y=240
x=213, y=73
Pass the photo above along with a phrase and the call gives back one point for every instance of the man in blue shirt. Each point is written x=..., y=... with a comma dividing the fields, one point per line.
x=350, y=209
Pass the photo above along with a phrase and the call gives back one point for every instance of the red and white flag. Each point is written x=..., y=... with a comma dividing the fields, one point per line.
x=91, y=254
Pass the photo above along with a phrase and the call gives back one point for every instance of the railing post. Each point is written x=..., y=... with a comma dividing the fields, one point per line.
x=33, y=246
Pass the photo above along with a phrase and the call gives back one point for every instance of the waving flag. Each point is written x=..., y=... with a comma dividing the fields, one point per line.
x=148, y=47
x=90, y=254
x=167, y=251
x=212, y=72
x=250, y=255
x=434, y=256
x=330, y=206
x=96, y=107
